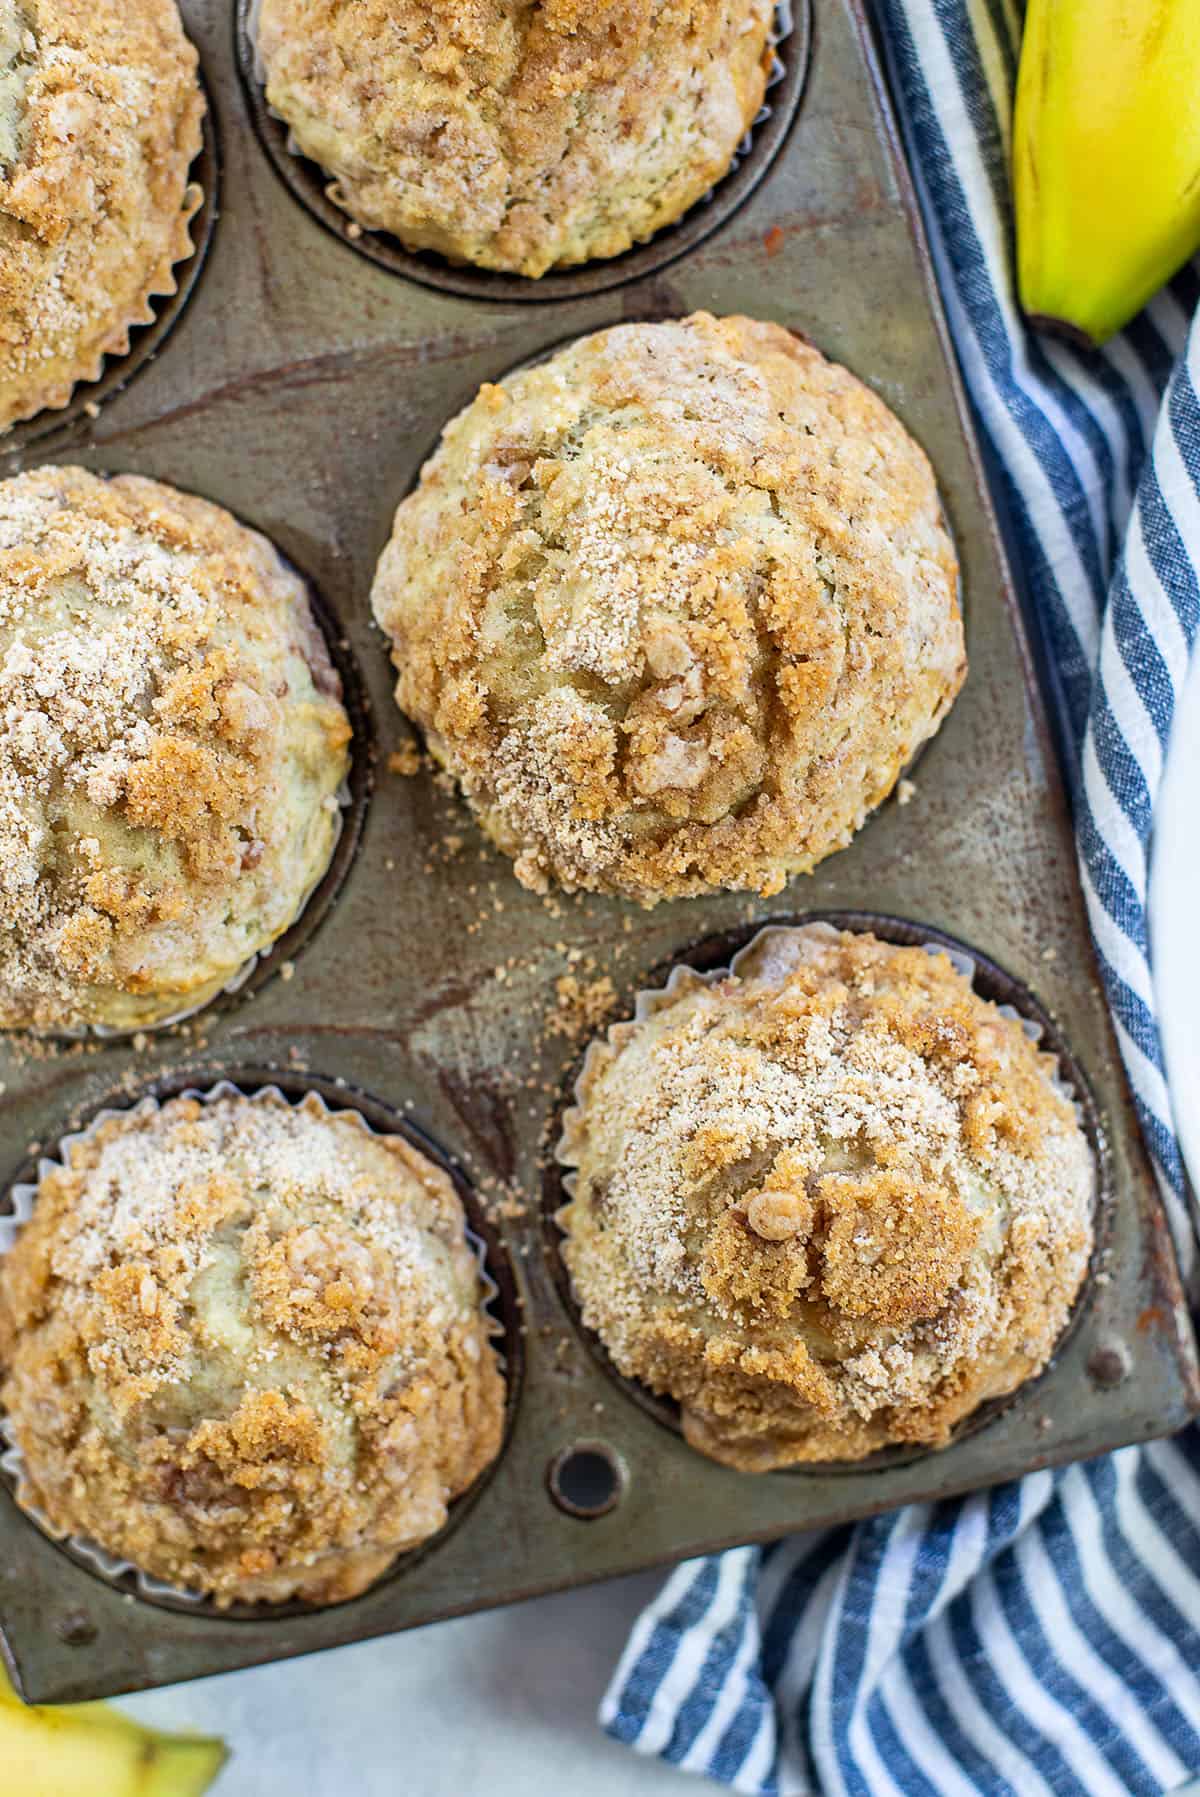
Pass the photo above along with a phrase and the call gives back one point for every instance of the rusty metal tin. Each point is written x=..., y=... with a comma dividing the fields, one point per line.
x=302, y=386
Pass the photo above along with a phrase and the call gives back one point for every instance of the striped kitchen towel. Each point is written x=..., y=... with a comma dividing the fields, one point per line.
x=1042, y=1639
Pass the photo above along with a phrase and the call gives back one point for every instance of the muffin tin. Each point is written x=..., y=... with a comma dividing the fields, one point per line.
x=302, y=387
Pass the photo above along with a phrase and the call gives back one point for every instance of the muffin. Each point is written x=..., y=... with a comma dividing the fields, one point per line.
x=244, y=1349
x=100, y=118
x=516, y=136
x=173, y=743
x=676, y=608
x=831, y=1202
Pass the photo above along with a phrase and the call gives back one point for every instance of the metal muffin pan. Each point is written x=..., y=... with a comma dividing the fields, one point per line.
x=302, y=386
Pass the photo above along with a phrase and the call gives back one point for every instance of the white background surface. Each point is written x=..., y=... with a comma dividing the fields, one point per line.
x=499, y=1705
x=504, y=1704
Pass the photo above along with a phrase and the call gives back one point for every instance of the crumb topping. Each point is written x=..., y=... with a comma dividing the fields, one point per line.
x=675, y=607
x=170, y=729
x=515, y=136
x=244, y=1347
x=100, y=118
x=830, y=1203
x=581, y=1005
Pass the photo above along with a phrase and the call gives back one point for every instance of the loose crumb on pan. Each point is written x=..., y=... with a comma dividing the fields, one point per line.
x=406, y=761
x=831, y=1204
x=581, y=1005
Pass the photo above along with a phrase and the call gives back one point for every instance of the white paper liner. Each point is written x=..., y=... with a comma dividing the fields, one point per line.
x=782, y=29
x=22, y=1196
x=776, y=944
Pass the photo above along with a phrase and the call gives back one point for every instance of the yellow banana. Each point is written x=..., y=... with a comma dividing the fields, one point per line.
x=87, y=1748
x=1106, y=156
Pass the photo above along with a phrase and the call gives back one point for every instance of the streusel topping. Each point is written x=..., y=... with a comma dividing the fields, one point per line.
x=171, y=729
x=519, y=137
x=100, y=118
x=832, y=1202
x=245, y=1348
x=676, y=607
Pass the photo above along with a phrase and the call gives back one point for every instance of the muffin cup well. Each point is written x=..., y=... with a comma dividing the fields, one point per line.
x=790, y=44
x=500, y=1327
x=713, y=960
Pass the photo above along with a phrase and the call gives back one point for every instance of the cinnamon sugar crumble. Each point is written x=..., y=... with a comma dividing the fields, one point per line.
x=263, y=1316
x=405, y=761
x=675, y=607
x=100, y=118
x=513, y=136
x=831, y=1203
x=171, y=732
x=582, y=1005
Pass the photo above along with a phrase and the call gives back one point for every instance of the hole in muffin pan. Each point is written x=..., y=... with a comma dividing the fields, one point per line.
x=586, y=1479
x=990, y=981
x=504, y=1307
x=307, y=183
x=75, y=1629
x=67, y=426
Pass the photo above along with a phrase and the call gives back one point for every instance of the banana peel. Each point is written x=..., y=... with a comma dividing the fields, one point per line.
x=72, y=1749
x=1106, y=157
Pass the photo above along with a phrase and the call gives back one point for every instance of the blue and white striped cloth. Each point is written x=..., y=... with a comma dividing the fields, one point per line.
x=1042, y=1639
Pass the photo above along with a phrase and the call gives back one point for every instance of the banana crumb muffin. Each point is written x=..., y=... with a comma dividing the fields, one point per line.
x=517, y=134
x=676, y=607
x=100, y=120
x=244, y=1349
x=831, y=1202
x=172, y=742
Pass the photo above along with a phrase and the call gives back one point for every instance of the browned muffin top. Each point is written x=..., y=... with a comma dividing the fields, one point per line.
x=243, y=1347
x=100, y=117
x=173, y=743
x=517, y=134
x=676, y=607
x=830, y=1203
